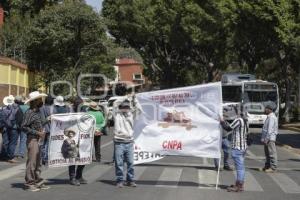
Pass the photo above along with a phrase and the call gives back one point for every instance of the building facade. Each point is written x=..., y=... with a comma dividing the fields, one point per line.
x=13, y=78
x=129, y=70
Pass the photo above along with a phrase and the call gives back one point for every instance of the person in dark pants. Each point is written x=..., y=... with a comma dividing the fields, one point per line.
x=46, y=111
x=96, y=111
x=75, y=171
x=12, y=128
x=20, y=153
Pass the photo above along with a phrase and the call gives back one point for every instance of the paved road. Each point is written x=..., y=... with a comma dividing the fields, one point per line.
x=171, y=178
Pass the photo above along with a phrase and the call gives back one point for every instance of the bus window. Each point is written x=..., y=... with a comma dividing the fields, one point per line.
x=232, y=93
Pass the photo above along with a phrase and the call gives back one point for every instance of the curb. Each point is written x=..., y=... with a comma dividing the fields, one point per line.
x=291, y=129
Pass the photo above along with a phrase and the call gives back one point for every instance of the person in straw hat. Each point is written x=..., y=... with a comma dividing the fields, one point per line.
x=8, y=102
x=33, y=126
x=97, y=112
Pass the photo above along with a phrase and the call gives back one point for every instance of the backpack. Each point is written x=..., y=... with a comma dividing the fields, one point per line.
x=2, y=118
x=10, y=117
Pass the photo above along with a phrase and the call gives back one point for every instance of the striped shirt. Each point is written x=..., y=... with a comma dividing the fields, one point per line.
x=239, y=130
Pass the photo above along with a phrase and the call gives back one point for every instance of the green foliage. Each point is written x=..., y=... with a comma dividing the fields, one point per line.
x=67, y=40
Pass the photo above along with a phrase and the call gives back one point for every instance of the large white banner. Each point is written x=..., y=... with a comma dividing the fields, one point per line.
x=182, y=121
x=71, y=139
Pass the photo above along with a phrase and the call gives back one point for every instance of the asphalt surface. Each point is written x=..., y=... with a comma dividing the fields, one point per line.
x=171, y=178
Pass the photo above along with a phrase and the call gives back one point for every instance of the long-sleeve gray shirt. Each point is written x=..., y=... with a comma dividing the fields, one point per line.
x=270, y=128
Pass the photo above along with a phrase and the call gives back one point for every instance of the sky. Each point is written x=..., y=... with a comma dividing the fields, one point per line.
x=95, y=3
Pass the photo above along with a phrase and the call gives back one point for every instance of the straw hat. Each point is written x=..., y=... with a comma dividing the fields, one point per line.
x=8, y=100
x=93, y=105
x=68, y=131
x=35, y=95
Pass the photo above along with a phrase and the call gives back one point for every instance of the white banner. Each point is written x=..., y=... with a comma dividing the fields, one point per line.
x=71, y=139
x=181, y=121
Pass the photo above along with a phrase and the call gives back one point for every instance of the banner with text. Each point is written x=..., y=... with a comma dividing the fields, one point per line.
x=71, y=139
x=181, y=121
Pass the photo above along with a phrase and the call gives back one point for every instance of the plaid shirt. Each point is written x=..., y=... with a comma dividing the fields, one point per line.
x=32, y=122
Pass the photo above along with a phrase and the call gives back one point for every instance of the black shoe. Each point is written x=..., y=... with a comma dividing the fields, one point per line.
x=131, y=184
x=74, y=182
x=227, y=168
x=82, y=181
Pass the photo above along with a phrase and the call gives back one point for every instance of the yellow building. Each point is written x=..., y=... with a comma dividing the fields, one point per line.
x=13, y=78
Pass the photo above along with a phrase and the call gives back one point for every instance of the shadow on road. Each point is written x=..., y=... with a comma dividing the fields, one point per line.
x=289, y=139
x=18, y=185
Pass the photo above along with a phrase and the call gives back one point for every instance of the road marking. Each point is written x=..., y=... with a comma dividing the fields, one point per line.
x=205, y=161
x=95, y=172
x=251, y=183
x=7, y=173
x=207, y=178
x=169, y=177
x=285, y=183
x=138, y=171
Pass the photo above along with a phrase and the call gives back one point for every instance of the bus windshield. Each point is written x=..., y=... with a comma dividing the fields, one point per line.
x=232, y=93
x=260, y=96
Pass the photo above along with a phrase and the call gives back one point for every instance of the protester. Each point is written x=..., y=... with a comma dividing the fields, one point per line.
x=96, y=111
x=22, y=135
x=60, y=106
x=32, y=125
x=226, y=151
x=269, y=134
x=239, y=128
x=5, y=112
x=12, y=124
x=123, y=143
x=75, y=171
x=46, y=111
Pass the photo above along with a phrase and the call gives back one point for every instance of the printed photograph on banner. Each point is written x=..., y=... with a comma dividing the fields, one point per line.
x=182, y=121
x=71, y=139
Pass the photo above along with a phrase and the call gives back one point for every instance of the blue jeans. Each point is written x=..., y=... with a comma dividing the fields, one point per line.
x=226, y=150
x=22, y=144
x=124, y=153
x=12, y=144
x=239, y=162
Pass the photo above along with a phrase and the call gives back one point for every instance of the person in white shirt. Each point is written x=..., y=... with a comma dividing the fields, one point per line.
x=268, y=138
x=123, y=144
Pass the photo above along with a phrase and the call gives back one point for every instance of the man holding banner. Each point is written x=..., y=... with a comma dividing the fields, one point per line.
x=123, y=141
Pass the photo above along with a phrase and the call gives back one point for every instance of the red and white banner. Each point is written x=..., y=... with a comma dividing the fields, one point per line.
x=182, y=121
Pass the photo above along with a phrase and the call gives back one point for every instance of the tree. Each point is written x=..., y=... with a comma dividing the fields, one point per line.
x=67, y=40
x=269, y=30
x=177, y=39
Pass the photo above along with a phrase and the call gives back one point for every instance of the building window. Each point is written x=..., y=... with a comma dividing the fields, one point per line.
x=137, y=77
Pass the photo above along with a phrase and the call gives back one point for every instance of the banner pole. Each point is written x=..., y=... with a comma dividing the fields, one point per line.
x=218, y=175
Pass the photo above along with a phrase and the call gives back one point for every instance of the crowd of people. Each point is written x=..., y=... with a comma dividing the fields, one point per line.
x=25, y=123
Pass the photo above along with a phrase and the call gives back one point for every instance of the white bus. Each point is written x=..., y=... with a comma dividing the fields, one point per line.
x=252, y=95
